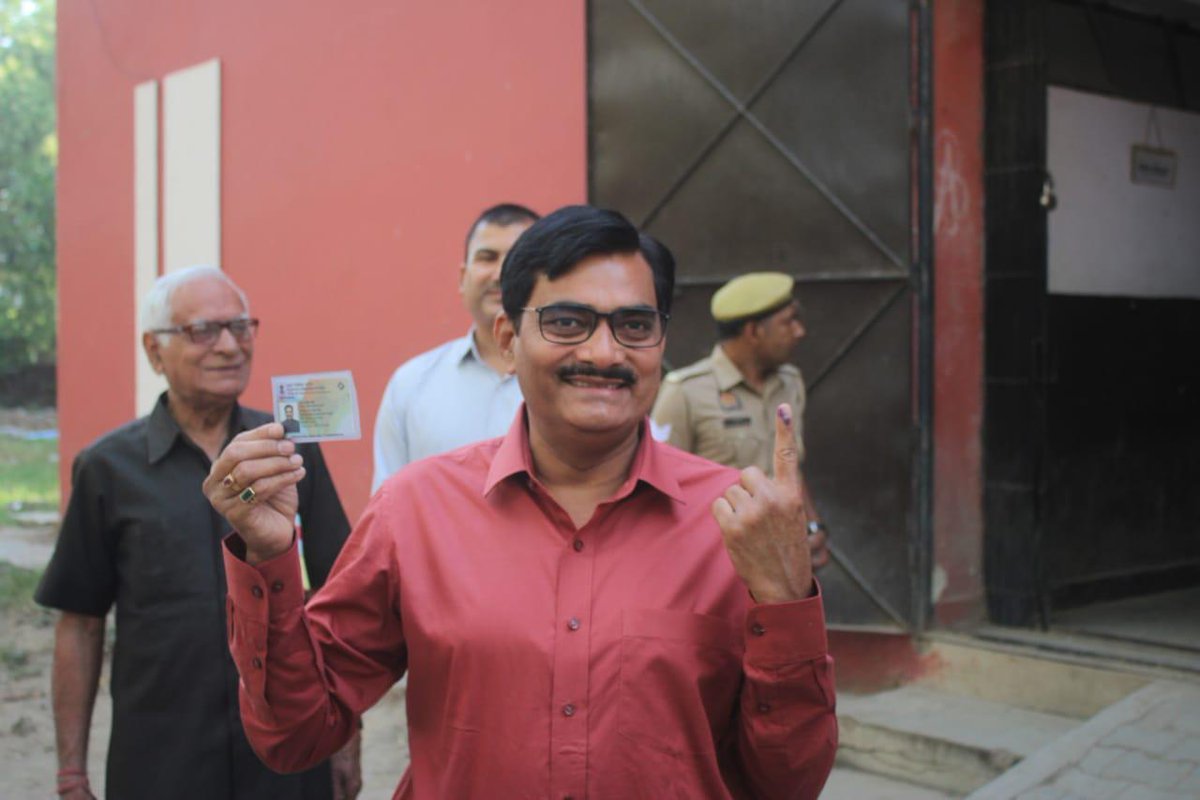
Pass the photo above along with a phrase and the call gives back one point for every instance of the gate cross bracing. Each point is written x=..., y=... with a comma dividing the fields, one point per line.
x=778, y=134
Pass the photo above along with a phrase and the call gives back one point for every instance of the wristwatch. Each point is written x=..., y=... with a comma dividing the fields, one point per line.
x=816, y=526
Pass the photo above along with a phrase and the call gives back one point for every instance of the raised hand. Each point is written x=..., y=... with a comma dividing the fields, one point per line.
x=764, y=524
x=253, y=485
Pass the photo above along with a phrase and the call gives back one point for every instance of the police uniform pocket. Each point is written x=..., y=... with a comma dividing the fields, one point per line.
x=741, y=440
x=680, y=676
x=748, y=449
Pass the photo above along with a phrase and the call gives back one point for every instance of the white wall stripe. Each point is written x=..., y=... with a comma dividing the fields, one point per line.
x=148, y=385
x=192, y=166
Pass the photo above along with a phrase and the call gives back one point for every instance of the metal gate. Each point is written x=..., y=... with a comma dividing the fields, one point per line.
x=776, y=134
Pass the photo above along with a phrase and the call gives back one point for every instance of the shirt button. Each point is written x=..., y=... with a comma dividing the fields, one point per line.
x=568, y=710
x=764, y=707
x=577, y=544
x=256, y=591
x=757, y=629
x=277, y=586
x=257, y=662
x=573, y=624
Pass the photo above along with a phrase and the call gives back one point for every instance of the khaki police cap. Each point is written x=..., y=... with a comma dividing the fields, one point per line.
x=751, y=294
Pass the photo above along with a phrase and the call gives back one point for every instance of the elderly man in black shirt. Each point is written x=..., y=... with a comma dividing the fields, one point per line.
x=138, y=532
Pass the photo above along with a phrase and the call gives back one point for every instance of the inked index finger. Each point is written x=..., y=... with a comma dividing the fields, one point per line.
x=787, y=455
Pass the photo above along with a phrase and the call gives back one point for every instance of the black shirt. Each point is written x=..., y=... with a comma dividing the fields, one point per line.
x=139, y=532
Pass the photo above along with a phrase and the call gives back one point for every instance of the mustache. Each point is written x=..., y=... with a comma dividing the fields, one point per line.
x=615, y=373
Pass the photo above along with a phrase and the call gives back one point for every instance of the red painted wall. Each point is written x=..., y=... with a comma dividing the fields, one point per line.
x=958, y=313
x=358, y=142
x=95, y=235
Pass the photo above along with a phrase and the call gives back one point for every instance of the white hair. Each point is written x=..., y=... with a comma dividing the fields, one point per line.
x=156, y=308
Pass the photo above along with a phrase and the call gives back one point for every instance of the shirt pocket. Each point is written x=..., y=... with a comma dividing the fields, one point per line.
x=747, y=449
x=160, y=566
x=730, y=439
x=680, y=677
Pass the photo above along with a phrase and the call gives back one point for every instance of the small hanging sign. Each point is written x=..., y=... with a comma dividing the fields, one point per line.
x=1152, y=166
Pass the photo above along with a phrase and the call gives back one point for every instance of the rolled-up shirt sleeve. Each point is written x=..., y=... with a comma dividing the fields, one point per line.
x=787, y=727
x=308, y=673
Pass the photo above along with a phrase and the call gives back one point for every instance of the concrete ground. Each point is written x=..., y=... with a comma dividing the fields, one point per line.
x=850, y=784
x=1168, y=618
x=1146, y=747
x=385, y=745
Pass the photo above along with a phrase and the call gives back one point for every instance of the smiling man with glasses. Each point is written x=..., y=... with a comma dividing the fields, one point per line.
x=138, y=535
x=581, y=611
x=568, y=323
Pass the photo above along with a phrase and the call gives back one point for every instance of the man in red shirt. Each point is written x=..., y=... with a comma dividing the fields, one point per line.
x=581, y=611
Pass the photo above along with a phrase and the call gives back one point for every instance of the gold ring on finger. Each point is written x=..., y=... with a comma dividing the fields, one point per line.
x=230, y=483
x=248, y=496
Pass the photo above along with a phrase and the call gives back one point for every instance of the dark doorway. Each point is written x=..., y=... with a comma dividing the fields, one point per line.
x=1092, y=433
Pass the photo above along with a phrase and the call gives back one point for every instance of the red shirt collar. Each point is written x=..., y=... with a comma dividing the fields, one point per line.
x=650, y=463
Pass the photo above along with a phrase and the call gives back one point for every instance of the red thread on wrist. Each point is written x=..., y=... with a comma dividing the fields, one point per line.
x=72, y=780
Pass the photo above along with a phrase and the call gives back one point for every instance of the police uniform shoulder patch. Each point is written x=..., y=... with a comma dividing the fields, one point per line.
x=702, y=367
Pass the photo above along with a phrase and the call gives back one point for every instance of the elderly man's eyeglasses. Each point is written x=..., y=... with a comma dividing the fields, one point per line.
x=568, y=323
x=208, y=331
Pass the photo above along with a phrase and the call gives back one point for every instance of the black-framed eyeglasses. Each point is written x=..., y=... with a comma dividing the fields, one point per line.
x=570, y=323
x=208, y=331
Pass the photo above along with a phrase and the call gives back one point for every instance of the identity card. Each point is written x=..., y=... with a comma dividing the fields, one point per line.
x=317, y=407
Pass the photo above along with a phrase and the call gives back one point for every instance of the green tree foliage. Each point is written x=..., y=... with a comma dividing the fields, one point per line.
x=28, y=156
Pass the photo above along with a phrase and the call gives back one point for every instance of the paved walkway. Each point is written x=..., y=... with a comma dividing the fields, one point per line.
x=850, y=784
x=1145, y=747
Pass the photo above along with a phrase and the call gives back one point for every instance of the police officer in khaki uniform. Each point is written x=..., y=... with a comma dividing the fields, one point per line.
x=722, y=407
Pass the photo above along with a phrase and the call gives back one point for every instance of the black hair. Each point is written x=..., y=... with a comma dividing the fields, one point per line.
x=560, y=240
x=661, y=261
x=731, y=329
x=502, y=214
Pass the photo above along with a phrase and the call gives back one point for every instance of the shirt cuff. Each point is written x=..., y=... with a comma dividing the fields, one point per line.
x=781, y=633
x=267, y=590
